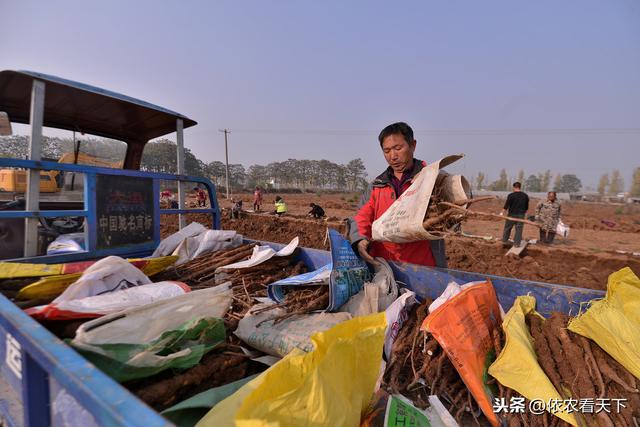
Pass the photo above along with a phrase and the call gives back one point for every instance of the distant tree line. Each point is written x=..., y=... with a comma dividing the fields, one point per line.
x=609, y=184
x=160, y=156
x=534, y=183
x=17, y=146
x=614, y=183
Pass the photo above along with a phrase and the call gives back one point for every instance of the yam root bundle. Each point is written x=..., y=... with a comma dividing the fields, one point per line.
x=444, y=215
x=301, y=300
x=419, y=367
x=579, y=369
x=246, y=283
x=221, y=366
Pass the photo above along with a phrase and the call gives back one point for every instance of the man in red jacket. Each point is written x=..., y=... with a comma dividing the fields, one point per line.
x=398, y=145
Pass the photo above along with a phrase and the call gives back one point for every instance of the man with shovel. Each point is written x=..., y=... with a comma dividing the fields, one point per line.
x=398, y=145
x=516, y=206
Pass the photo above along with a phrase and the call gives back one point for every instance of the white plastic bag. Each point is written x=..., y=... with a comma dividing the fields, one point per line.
x=396, y=315
x=107, y=275
x=214, y=240
x=209, y=240
x=66, y=243
x=169, y=244
x=449, y=292
x=144, y=324
x=384, y=280
x=174, y=333
x=113, y=302
x=279, y=339
x=402, y=222
x=261, y=254
x=364, y=302
x=562, y=229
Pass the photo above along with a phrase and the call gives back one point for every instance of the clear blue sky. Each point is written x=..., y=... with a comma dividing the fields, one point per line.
x=320, y=79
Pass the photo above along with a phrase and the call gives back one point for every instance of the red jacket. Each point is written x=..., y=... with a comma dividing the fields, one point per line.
x=382, y=196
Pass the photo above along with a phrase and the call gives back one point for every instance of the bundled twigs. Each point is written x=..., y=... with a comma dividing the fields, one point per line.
x=463, y=202
x=301, y=300
x=206, y=270
x=442, y=217
x=206, y=263
x=246, y=283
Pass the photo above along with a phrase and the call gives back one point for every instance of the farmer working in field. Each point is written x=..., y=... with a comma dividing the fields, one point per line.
x=257, y=199
x=316, y=211
x=548, y=215
x=280, y=206
x=516, y=206
x=398, y=145
x=201, y=197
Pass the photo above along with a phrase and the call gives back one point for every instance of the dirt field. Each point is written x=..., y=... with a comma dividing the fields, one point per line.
x=584, y=259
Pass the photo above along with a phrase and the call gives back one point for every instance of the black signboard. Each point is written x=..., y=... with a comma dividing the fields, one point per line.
x=124, y=210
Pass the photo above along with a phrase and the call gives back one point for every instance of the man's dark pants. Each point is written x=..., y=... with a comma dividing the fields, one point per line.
x=509, y=225
x=547, y=236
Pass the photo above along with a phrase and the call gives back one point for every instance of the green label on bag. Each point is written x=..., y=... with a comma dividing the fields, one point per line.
x=401, y=413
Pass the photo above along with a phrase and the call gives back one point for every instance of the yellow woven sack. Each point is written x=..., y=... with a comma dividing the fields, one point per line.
x=517, y=366
x=614, y=322
x=331, y=385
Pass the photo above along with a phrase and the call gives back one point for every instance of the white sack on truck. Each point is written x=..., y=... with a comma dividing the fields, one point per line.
x=260, y=332
x=107, y=275
x=209, y=240
x=112, y=302
x=402, y=222
x=169, y=244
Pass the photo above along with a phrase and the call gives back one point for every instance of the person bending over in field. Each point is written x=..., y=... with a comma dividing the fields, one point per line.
x=280, y=206
x=316, y=211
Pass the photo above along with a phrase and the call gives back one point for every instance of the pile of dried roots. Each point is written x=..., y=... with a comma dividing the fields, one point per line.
x=419, y=368
x=246, y=283
x=580, y=369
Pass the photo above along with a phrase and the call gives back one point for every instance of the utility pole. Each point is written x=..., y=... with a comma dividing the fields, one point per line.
x=226, y=155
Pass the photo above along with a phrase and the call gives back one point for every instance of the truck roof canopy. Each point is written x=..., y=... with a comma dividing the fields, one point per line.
x=83, y=108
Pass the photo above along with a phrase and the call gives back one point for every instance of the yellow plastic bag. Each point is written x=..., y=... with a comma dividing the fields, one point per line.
x=16, y=270
x=614, y=322
x=53, y=285
x=331, y=385
x=516, y=366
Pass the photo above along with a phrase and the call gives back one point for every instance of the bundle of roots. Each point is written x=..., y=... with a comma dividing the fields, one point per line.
x=221, y=366
x=579, y=369
x=300, y=300
x=246, y=283
x=419, y=367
